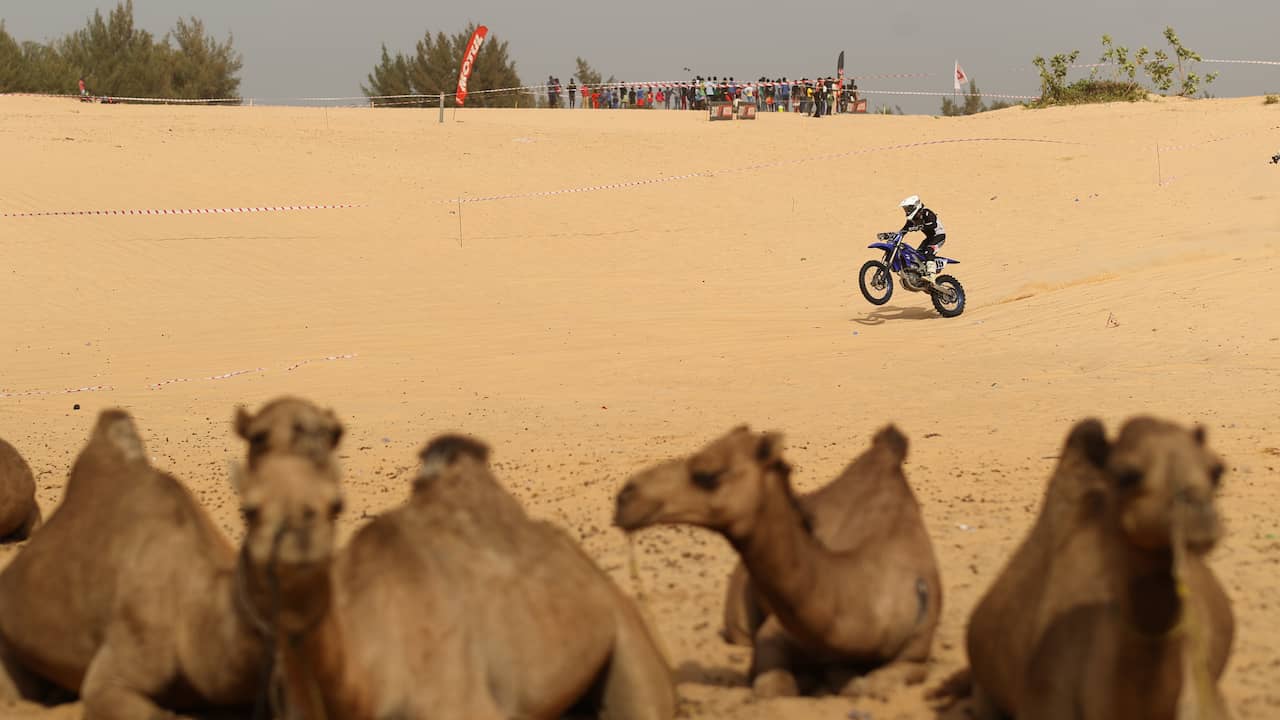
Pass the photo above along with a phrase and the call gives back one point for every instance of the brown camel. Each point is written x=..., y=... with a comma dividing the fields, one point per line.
x=129, y=595
x=1108, y=609
x=841, y=582
x=19, y=513
x=455, y=605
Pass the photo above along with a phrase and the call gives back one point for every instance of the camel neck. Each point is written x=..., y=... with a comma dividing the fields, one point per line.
x=785, y=561
x=313, y=663
x=1147, y=589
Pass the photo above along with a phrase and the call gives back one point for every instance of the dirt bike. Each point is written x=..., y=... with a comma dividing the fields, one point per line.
x=876, y=277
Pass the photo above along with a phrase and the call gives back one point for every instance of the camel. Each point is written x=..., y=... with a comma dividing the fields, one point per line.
x=454, y=605
x=1108, y=609
x=19, y=513
x=129, y=595
x=837, y=589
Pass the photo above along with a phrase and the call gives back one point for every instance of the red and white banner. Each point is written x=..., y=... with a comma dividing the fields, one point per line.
x=469, y=61
x=961, y=78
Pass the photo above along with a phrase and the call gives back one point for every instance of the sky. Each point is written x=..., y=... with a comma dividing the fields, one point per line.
x=304, y=48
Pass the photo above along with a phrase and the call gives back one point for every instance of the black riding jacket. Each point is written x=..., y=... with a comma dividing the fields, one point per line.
x=927, y=222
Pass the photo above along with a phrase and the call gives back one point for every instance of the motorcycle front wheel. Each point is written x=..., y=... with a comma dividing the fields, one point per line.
x=875, y=282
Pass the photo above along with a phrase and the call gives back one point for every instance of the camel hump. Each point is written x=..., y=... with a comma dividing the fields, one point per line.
x=891, y=438
x=1088, y=439
x=445, y=450
x=116, y=429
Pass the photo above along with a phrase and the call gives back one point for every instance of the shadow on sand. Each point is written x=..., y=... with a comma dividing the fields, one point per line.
x=882, y=315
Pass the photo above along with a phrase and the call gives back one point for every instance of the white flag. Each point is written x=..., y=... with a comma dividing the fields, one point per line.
x=961, y=78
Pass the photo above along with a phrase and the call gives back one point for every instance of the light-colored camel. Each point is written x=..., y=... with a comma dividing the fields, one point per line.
x=129, y=595
x=1108, y=609
x=839, y=583
x=455, y=605
x=19, y=513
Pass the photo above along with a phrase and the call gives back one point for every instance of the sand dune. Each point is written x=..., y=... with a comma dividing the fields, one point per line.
x=585, y=334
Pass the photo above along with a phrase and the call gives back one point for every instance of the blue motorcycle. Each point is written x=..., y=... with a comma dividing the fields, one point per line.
x=876, y=277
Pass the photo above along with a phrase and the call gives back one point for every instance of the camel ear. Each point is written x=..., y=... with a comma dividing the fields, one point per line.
x=1198, y=433
x=892, y=439
x=242, y=420
x=769, y=448
x=1089, y=440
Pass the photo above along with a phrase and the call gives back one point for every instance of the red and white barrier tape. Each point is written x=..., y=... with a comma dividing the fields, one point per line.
x=223, y=376
x=1244, y=62
x=173, y=381
x=327, y=358
x=180, y=211
x=746, y=168
x=1187, y=146
x=29, y=393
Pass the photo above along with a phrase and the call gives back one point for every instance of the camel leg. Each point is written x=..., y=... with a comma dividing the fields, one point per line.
x=772, y=674
x=742, y=613
x=29, y=526
x=16, y=682
x=638, y=683
x=982, y=707
x=122, y=676
x=883, y=680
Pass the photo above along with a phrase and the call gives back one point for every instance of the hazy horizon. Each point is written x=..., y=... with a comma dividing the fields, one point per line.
x=297, y=48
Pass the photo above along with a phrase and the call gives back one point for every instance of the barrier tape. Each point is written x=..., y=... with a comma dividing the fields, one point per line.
x=1187, y=146
x=223, y=376
x=327, y=358
x=745, y=168
x=174, y=381
x=1244, y=62
x=180, y=211
x=29, y=393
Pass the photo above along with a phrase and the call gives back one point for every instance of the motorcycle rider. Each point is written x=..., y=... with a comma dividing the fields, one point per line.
x=926, y=221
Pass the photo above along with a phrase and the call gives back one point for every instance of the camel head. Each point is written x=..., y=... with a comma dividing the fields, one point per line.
x=115, y=436
x=1162, y=474
x=290, y=507
x=720, y=487
x=290, y=425
x=1159, y=474
x=446, y=459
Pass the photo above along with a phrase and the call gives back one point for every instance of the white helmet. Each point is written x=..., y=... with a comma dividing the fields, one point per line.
x=911, y=206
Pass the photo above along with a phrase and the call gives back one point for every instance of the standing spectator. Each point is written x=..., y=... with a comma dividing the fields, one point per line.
x=573, y=92
x=84, y=92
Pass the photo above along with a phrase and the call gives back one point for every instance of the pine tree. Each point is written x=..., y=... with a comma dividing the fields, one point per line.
x=201, y=67
x=433, y=69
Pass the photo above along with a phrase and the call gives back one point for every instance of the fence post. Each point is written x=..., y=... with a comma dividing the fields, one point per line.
x=441, y=107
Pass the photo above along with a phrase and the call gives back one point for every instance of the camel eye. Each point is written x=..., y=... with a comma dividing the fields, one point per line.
x=1128, y=479
x=258, y=439
x=250, y=514
x=707, y=480
x=335, y=508
x=1215, y=475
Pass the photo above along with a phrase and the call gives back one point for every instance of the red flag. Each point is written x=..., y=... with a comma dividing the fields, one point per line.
x=469, y=61
x=961, y=78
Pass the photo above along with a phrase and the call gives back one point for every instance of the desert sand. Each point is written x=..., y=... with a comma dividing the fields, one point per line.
x=587, y=334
